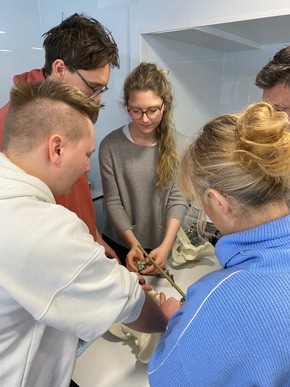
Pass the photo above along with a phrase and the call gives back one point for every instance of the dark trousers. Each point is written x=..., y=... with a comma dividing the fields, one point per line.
x=73, y=384
x=120, y=250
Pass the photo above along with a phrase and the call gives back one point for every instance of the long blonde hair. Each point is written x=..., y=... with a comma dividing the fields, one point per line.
x=144, y=77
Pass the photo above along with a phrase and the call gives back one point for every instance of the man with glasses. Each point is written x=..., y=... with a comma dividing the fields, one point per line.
x=79, y=51
x=97, y=91
x=274, y=80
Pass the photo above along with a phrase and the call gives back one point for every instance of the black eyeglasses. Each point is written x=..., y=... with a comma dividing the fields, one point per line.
x=152, y=112
x=96, y=90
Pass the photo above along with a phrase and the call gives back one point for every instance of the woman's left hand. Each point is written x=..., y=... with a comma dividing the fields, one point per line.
x=160, y=256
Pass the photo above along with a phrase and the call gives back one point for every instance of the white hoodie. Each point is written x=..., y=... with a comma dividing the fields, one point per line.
x=56, y=284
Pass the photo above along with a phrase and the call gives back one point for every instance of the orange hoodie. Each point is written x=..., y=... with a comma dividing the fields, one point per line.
x=79, y=199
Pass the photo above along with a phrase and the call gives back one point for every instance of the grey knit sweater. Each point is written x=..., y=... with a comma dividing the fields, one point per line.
x=132, y=201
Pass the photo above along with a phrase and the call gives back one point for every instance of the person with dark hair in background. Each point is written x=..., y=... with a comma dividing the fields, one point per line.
x=274, y=80
x=56, y=284
x=138, y=163
x=234, y=327
x=79, y=51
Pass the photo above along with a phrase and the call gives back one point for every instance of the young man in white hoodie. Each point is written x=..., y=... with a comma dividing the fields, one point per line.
x=56, y=284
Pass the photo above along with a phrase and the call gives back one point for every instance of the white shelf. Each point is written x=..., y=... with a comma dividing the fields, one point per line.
x=235, y=36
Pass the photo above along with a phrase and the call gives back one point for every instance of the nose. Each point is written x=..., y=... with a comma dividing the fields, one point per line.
x=145, y=117
x=88, y=168
x=97, y=97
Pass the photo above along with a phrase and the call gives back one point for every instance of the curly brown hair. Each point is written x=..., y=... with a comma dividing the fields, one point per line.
x=144, y=77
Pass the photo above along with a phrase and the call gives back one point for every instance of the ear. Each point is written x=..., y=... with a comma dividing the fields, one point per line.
x=58, y=69
x=218, y=201
x=55, y=148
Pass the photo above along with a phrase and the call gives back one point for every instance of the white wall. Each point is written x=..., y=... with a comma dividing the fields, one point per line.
x=163, y=15
x=22, y=34
x=240, y=69
x=196, y=75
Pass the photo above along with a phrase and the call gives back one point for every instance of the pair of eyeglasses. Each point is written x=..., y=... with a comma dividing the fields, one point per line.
x=152, y=112
x=96, y=90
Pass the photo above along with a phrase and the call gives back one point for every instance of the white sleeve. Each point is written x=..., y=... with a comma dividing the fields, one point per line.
x=63, y=278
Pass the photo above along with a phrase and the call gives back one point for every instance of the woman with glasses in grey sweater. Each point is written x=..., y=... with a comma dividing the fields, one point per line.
x=138, y=162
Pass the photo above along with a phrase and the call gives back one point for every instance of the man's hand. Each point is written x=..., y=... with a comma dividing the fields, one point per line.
x=169, y=306
x=109, y=252
x=146, y=287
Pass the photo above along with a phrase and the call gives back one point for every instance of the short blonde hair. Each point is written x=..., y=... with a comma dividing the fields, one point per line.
x=38, y=109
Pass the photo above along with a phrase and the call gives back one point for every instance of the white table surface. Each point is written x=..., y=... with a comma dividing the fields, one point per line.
x=110, y=362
